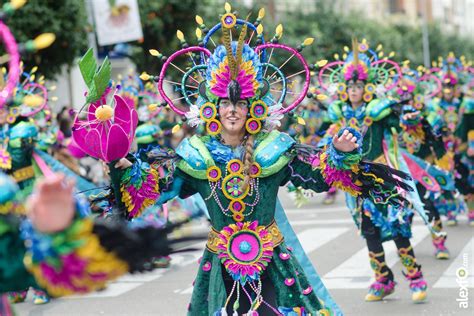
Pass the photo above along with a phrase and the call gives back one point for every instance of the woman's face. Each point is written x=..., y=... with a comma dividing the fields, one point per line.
x=356, y=90
x=448, y=93
x=233, y=116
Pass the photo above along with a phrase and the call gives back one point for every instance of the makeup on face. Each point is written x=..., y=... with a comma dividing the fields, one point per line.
x=233, y=116
x=226, y=103
x=355, y=85
x=356, y=90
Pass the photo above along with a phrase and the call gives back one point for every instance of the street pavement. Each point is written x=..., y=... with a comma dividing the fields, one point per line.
x=329, y=236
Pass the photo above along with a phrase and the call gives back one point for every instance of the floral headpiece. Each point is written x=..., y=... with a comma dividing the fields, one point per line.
x=30, y=97
x=246, y=68
x=417, y=85
x=143, y=96
x=452, y=71
x=379, y=73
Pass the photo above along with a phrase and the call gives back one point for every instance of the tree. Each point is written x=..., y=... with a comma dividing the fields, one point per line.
x=160, y=21
x=65, y=18
x=333, y=31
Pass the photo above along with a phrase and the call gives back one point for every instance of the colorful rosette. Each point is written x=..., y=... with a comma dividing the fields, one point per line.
x=139, y=188
x=245, y=249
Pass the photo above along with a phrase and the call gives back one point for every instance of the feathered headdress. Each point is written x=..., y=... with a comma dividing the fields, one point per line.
x=243, y=69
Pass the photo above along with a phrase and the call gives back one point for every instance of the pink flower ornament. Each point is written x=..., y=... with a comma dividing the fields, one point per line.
x=107, y=131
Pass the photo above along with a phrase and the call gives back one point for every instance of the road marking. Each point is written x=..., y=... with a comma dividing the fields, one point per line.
x=112, y=290
x=355, y=272
x=416, y=222
x=131, y=281
x=312, y=239
x=316, y=210
x=465, y=260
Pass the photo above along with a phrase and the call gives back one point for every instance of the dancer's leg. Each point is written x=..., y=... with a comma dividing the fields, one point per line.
x=413, y=272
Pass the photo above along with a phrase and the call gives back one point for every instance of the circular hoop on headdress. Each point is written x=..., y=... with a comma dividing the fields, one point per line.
x=281, y=77
x=11, y=48
x=386, y=73
x=306, y=72
x=38, y=90
x=330, y=74
x=168, y=63
x=430, y=84
x=187, y=88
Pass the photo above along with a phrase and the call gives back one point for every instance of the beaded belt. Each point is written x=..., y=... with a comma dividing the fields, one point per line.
x=213, y=238
x=24, y=174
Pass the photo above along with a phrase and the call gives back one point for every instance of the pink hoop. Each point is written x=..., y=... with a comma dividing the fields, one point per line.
x=13, y=64
x=45, y=93
x=306, y=68
x=321, y=73
x=165, y=67
x=398, y=75
x=431, y=77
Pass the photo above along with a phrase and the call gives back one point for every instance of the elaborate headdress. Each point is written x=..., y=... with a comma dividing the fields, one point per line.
x=141, y=95
x=379, y=73
x=247, y=68
x=417, y=85
x=452, y=71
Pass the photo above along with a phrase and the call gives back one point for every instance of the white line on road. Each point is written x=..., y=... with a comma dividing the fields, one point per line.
x=355, y=272
x=112, y=290
x=465, y=261
x=312, y=239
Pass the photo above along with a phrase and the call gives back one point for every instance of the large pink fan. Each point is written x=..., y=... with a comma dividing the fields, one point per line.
x=107, y=131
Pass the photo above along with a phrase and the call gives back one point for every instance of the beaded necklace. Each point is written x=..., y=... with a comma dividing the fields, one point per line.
x=232, y=186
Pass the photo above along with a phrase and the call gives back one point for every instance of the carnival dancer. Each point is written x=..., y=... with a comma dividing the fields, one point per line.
x=424, y=150
x=361, y=81
x=452, y=115
x=239, y=166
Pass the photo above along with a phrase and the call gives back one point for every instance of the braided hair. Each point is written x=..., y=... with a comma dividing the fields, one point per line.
x=248, y=160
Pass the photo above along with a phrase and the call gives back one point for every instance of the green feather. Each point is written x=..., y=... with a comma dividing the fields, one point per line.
x=88, y=67
x=103, y=76
x=96, y=79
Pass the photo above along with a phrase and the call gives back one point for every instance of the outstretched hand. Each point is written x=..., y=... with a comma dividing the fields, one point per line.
x=347, y=142
x=51, y=208
x=123, y=163
x=411, y=116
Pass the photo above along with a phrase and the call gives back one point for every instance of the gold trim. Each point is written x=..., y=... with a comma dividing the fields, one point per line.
x=381, y=159
x=24, y=174
x=213, y=238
